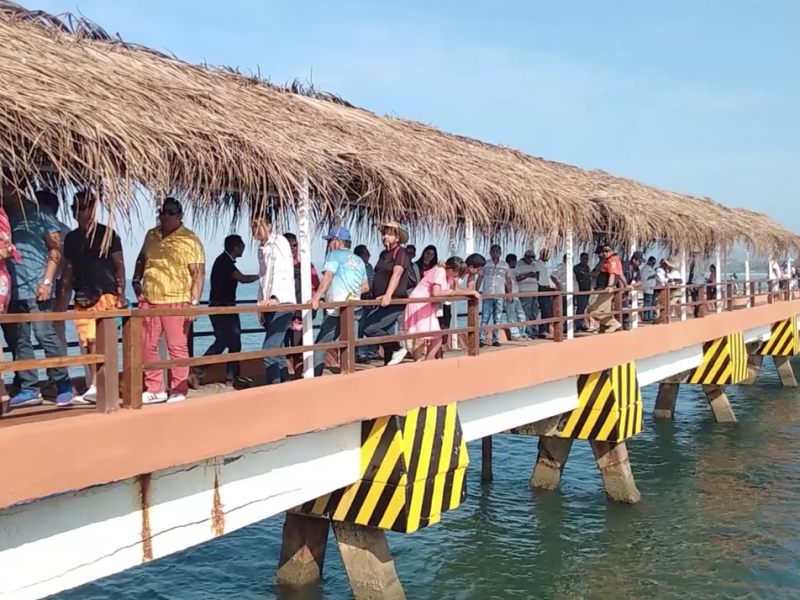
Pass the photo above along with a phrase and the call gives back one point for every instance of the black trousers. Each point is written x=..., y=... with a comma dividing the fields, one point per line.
x=227, y=335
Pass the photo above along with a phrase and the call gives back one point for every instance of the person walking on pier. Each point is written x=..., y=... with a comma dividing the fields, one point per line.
x=275, y=287
x=647, y=274
x=225, y=279
x=545, y=285
x=169, y=273
x=344, y=278
x=391, y=281
x=294, y=335
x=608, y=279
x=364, y=354
x=94, y=268
x=36, y=234
x=439, y=282
x=496, y=279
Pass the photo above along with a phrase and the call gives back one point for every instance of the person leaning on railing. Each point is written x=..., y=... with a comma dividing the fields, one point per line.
x=94, y=267
x=438, y=283
x=37, y=236
x=169, y=273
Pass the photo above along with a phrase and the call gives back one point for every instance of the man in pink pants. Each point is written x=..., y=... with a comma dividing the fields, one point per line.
x=169, y=273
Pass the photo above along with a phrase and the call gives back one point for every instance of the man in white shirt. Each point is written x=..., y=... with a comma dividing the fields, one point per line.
x=496, y=279
x=514, y=311
x=647, y=273
x=545, y=285
x=275, y=287
x=526, y=274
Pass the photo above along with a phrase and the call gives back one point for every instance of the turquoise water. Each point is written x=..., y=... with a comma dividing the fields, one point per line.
x=718, y=520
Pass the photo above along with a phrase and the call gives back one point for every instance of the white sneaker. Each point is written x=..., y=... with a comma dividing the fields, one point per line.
x=176, y=398
x=397, y=357
x=88, y=397
x=154, y=397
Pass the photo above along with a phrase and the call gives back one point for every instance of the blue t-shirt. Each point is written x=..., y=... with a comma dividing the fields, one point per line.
x=28, y=230
x=348, y=273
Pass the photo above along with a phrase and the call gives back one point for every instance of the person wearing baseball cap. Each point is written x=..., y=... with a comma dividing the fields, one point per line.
x=526, y=273
x=344, y=278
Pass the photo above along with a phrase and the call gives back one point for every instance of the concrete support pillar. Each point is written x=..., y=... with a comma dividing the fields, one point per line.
x=553, y=454
x=302, y=550
x=719, y=403
x=665, y=401
x=486, y=458
x=612, y=460
x=754, y=362
x=785, y=371
x=368, y=562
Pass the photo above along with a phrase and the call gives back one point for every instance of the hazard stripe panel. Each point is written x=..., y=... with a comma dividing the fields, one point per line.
x=783, y=339
x=610, y=408
x=413, y=469
x=724, y=362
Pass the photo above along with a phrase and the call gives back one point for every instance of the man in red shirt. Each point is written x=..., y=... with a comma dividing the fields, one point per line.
x=609, y=278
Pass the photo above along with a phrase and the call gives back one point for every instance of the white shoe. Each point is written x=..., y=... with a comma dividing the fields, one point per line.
x=397, y=357
x=88, y=397
x=154, y=397
x=176, y=398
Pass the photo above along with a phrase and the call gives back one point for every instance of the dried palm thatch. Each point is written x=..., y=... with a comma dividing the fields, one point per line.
x=100, y=112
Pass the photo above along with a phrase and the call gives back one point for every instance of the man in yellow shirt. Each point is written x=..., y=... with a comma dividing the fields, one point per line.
x=169, y=273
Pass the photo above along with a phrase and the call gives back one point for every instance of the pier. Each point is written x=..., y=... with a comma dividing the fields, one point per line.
x=363, y=449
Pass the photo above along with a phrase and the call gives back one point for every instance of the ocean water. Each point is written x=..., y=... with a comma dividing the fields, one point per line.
x=718, y=520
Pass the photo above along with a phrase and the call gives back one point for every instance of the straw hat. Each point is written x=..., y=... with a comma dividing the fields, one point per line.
x=672, y=263
x=401, y=233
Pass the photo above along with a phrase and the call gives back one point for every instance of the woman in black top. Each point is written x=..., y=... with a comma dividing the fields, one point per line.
x=391, y=281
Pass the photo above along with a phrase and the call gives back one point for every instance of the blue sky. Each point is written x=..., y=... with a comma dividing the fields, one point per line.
x=697, y=97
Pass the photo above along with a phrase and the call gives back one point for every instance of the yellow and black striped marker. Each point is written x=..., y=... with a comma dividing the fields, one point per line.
x=724, y=362
x=783, y=339
x=413, y=469
x=609, y=408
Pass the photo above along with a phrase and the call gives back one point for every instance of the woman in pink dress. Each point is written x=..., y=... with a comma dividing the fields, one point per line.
x=7, y=251
x=438, y=282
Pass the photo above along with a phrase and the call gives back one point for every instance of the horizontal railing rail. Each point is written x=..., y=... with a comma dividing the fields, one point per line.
x=672, y=302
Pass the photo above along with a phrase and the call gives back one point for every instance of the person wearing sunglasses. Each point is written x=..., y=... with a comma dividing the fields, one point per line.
x=169, y=273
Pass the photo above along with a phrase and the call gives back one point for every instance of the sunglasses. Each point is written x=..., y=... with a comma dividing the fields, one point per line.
x=169, y=212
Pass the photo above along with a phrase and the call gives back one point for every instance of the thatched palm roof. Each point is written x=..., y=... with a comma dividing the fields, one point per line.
x=98, y=111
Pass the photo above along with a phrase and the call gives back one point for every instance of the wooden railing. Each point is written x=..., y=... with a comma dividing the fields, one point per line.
x=670, y=306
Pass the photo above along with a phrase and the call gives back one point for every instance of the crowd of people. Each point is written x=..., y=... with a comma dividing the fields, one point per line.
x=45, y=266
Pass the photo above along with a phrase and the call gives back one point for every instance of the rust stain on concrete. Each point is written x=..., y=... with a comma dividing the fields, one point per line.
x=144, y=499
x=217, y=514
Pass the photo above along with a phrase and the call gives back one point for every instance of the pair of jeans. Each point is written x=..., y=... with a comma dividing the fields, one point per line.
x=329, y=331
x=382, y=320
x=363, y=352
x=176, y=331
x=18, y=337
x=581, y=302
x=276, y=324
x=491, y=314
x=515, y=314
x=649, y=300
x=546, y=306
x=227, y=335
x=531, y=308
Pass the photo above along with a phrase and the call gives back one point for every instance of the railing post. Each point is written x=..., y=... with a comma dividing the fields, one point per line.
x=701, y=299
x=558, y=310
x=729, y=296
x=347, y=326
x=751, y=294
x=617, y=305
x=664, y=306
x=474, y=324
x=190, y=339
x=132, y=374
x=107, y=379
